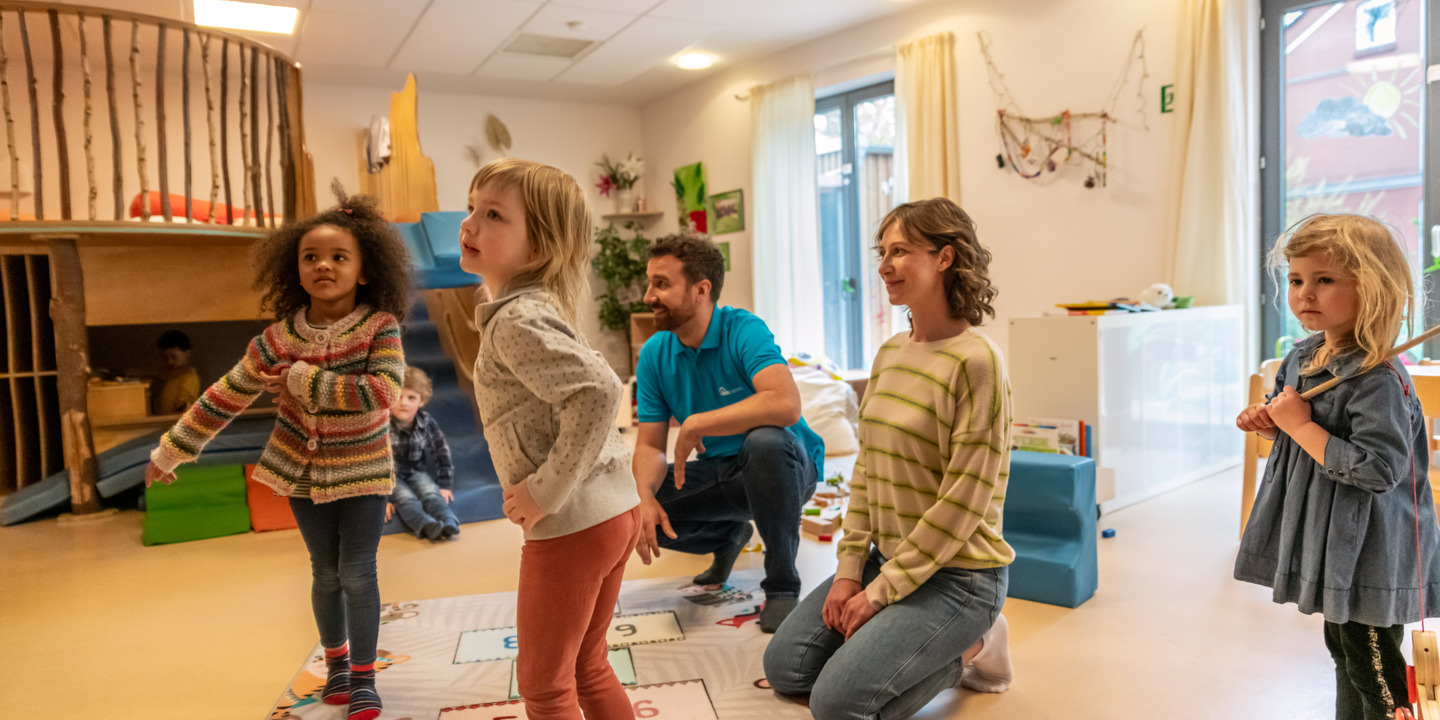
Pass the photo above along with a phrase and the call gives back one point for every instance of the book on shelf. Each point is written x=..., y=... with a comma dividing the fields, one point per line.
x=1065, y=437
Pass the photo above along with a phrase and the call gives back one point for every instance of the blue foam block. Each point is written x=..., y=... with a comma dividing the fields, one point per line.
x=1050, y=521
x=442, y=232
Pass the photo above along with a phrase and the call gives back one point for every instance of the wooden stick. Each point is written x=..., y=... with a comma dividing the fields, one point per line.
x=135, y=83
x=255, y=137
x=67, y=307
x=185, y=114
x=92, y=190
x=161, y=145
x=1332, y=382
x=243, y=102
x=9, y=128
x=57, y=106
x=35, y=160
x=225, y=128
x=117, y=162
x=210, y=121
x=269, y=136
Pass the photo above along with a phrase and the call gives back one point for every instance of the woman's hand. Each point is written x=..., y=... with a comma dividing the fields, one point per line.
x=154, y=474
x=858, y=611
x=520, y=506
x=833, y=614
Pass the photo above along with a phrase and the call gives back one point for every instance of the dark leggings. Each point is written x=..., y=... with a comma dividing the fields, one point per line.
x=342, y=536
x=1369, y=670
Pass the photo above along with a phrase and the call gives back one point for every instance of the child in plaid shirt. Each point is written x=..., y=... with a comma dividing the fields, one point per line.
x=422, y=501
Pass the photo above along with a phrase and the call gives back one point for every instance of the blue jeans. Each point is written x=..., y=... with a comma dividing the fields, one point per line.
x=899, y=660
x=768, y=481
x=417, y=501
x=342, y=536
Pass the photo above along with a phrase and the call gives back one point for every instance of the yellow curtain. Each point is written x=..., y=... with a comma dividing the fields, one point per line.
x=1213, y=253
x=928, y=112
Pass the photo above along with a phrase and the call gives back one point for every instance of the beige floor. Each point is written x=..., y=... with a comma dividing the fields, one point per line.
x=95, y=625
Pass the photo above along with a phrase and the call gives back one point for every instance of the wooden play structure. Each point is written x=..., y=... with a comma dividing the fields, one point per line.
x=405, y=188
x=144, y=157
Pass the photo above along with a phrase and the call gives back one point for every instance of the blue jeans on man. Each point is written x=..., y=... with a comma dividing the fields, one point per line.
x=421, y=507
x=768, y=481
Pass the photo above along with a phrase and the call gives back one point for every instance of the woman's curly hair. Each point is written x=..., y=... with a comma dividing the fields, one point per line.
x=384, y=260
x=940, y=223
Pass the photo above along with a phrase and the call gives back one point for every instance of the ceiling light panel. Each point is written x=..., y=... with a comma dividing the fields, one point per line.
x=455, y=36
x=254, y=17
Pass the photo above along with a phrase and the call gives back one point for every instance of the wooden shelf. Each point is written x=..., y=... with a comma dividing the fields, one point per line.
x=642, y=217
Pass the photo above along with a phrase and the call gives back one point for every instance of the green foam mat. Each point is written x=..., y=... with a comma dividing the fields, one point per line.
x=204, y=502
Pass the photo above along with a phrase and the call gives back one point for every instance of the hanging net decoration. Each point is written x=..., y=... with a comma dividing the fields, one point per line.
x=1033, y=146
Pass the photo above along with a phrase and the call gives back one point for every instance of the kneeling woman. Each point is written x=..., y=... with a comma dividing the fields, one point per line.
x=914, y=606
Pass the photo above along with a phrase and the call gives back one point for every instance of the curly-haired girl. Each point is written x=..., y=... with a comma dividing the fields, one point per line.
x=337, y=283
x=923, y=568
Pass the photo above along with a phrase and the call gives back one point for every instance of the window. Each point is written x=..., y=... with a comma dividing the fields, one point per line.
x=1344, y=111
x=855, y=142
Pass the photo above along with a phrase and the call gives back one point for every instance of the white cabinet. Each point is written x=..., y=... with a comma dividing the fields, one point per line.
x=1160, y=391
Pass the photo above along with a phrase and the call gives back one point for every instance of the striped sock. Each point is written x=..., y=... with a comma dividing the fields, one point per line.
x=337, y=678
x=364, y=701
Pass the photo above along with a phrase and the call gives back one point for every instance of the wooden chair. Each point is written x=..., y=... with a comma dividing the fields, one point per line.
x=1427, y=388
x=1256, y=447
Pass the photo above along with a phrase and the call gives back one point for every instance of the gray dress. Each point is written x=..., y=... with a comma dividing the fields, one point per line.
x=1340, y=539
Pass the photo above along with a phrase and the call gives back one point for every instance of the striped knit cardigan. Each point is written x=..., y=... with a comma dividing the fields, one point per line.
x=344, y=378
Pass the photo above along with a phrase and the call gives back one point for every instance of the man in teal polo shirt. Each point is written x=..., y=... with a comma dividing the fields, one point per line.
x=717, y=371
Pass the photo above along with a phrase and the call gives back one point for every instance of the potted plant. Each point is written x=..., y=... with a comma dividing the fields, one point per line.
x=620, y=177
x=620, y=263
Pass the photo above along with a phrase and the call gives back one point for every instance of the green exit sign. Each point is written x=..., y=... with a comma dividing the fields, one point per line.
x=1167, y=98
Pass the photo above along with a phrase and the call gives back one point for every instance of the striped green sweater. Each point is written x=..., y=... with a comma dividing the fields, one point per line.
x=929, y=485
x=344, y=378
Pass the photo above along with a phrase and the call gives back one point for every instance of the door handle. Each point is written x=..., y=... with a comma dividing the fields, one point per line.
x=847, y=284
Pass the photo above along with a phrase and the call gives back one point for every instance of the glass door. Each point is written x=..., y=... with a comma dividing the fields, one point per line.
x=854, y=142
x=1345, y=105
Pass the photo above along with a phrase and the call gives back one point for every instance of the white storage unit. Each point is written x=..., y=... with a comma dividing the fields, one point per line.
x=1159, y=390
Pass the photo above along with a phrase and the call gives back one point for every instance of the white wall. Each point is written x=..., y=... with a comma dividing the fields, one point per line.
x=570, y=136
x=1053, y=240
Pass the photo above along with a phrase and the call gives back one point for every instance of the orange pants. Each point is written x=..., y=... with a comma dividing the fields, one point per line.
x=568, y=589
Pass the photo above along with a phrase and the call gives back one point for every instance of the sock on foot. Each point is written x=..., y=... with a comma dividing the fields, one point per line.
x=431, y=530
x=990, y=670
x=337, y=676
x=449, y=531
x=719, y=568
x=775, y=612
x=364, y=701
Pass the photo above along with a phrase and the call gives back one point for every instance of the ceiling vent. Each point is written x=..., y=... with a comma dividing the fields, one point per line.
x=547, y=46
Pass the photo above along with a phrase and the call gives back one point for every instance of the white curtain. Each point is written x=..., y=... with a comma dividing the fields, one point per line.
x=788, y=293
x=929, y=152
x=1214, y=250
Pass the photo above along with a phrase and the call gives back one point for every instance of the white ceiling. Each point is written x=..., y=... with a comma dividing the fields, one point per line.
x=455, y=44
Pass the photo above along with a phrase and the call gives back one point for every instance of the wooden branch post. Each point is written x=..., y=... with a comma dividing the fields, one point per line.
x=67, y=310
x=36, y=163
x=117, y=159
x=162, y=162
x=57, y=100
x=225, y=128
x=9, y=131
x=254, y=178
x=92, y=192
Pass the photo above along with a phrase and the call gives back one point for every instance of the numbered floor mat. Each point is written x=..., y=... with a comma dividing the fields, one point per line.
x=683, y=652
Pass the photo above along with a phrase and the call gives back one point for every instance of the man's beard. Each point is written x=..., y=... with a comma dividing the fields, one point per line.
x=672, y=318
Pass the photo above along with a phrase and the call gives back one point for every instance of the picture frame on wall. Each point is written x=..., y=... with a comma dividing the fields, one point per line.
x=727, y=212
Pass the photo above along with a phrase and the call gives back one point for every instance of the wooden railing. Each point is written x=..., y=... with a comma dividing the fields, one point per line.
x=121, y=69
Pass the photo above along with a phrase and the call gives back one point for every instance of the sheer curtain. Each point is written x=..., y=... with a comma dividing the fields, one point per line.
x=1214, y=252
x=926, y=109
x=787, y=238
